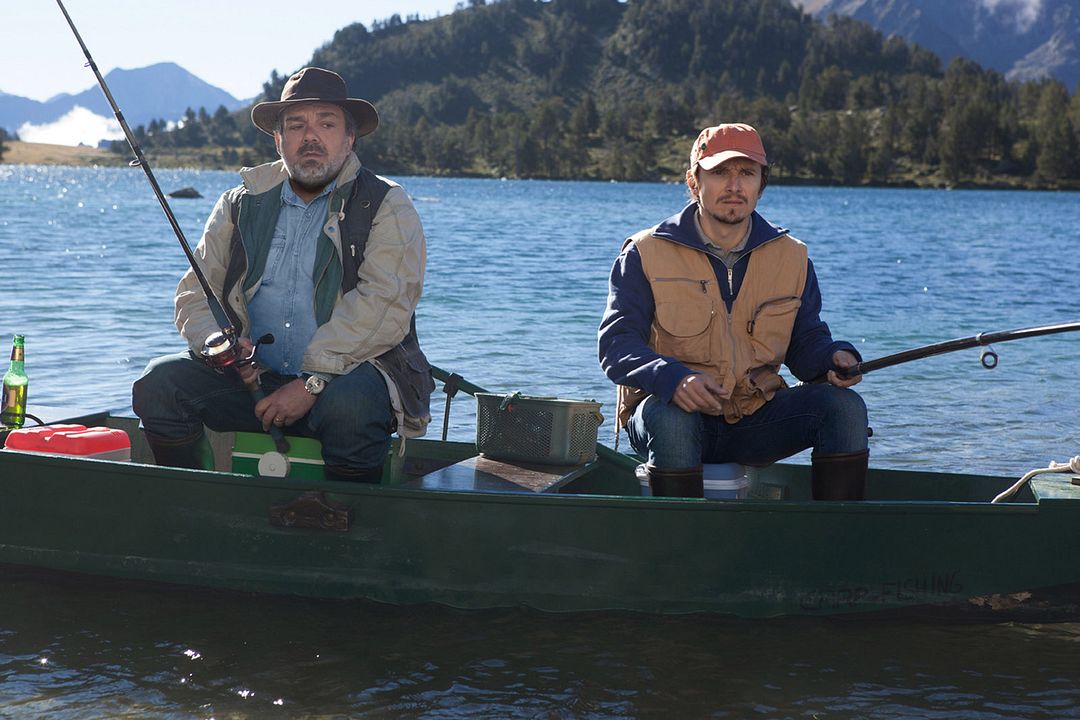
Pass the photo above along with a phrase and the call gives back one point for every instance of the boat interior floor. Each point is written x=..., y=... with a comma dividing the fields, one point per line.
x=487, y=474
x=455, y=467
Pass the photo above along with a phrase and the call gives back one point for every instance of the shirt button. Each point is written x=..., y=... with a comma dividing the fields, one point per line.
x=288, y=324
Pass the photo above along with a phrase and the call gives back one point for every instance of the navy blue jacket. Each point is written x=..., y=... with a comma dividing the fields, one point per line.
x=623, y=337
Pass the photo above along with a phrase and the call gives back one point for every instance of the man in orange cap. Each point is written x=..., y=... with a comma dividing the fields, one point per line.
x=702, y=311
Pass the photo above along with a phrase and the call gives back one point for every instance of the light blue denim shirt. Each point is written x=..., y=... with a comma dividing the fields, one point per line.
x=284, y=304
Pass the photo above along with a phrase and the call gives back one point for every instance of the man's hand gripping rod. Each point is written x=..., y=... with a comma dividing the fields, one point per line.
x=221, y=349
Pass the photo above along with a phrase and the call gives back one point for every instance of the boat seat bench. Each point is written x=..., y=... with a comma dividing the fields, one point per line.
x=485, y=474
x=1055, y=486
x=473, y=473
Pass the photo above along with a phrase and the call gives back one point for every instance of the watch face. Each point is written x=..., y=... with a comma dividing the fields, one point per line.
x=314, y=384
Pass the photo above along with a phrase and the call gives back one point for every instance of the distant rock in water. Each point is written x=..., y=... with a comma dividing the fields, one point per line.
x=188, y=192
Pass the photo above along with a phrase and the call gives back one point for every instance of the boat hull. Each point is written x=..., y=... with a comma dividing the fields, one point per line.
x=571, y=550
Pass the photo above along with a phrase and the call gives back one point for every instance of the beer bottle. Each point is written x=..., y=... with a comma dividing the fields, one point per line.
x=13, y=414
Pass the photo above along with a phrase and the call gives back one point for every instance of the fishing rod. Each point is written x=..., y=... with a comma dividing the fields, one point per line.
x=989, y=358
x=140, y=161
x=221, y=349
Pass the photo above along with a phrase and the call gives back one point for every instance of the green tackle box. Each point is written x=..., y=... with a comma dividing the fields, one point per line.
x=304, y=457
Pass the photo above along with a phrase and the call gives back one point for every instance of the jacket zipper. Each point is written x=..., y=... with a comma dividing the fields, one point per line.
x=703, y=283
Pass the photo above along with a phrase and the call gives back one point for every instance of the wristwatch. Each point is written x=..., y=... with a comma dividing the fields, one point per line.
x=314, y=384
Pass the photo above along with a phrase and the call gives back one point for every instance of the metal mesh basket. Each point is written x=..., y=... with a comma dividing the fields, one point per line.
x=537, y=429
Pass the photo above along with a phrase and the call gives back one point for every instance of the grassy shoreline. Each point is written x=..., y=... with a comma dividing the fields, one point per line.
x=24, y=153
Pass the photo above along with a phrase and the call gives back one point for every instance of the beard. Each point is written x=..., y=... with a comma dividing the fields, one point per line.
x=728, y=215
x=314, y=172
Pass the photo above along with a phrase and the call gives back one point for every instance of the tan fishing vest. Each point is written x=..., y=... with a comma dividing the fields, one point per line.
x=742, y=351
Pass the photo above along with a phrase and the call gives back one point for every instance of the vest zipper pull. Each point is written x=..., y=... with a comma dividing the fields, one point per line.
x=705, y=287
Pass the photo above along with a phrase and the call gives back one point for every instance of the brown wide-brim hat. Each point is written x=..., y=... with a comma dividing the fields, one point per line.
x=314, y=84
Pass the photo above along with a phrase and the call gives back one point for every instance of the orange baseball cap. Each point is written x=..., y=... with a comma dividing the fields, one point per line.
x=716, y=145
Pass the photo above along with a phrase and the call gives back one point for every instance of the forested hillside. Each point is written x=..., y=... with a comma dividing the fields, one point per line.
x=602, y=89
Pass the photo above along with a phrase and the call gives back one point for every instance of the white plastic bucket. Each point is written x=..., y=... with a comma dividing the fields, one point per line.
x=723, y=481
x=726, y=481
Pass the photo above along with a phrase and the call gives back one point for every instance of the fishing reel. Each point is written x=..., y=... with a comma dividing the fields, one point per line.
x=222, y=349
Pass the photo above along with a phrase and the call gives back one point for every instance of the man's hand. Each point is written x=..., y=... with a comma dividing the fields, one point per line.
x=843, y=360
x=284, y=406
x=699, y=393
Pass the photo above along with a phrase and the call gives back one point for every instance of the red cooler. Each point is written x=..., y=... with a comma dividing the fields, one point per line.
x=97, y=442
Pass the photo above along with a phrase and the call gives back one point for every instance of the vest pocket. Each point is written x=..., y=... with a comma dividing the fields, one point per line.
x=682, y=330
x=769, y=327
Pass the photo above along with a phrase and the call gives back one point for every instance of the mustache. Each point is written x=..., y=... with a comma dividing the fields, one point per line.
x=312, y=147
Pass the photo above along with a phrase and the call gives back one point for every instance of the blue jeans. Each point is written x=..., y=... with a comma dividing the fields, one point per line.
x=352, y=418
x=829, y=419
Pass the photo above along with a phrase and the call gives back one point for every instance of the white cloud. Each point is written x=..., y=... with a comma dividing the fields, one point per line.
x=78, y=127
x=1026, y=11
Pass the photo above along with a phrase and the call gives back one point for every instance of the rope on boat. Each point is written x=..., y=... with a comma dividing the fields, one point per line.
x=1072, y=465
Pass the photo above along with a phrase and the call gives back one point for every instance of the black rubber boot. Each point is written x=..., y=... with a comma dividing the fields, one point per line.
x=347, y=474
x=839, y=477
x=193, y=453
x=684, y=482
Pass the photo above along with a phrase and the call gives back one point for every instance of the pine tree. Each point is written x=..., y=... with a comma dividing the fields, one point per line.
x=1056, y=140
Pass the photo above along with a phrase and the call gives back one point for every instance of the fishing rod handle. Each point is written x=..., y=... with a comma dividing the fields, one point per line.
x=278, y=436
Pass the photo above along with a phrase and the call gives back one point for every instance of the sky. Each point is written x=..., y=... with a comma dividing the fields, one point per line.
x=232, y=45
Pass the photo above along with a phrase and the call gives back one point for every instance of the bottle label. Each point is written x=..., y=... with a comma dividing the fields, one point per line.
x=14, y=408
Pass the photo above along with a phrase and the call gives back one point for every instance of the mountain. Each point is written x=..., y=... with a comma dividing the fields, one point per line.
x=609, y=89
x=613, y=89
x=1023, y=39
x=161, y=91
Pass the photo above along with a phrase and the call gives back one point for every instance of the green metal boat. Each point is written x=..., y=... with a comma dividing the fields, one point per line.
x=450, y=526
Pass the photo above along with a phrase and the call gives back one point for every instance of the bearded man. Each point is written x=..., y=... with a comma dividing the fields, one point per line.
x=328, y=259
x=702, y=311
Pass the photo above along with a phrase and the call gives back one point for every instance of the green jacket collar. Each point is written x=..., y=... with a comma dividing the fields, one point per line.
x=258, y=214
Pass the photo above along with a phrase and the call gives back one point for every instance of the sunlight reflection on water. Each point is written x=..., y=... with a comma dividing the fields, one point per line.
x=517, y=278
x=516, y=284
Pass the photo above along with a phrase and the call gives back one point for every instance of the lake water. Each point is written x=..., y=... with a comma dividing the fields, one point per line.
x=517, y=274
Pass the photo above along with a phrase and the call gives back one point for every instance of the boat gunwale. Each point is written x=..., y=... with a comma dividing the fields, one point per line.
x=338, y=490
